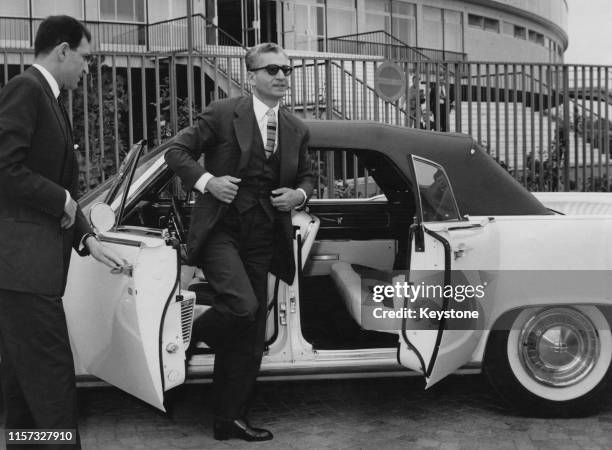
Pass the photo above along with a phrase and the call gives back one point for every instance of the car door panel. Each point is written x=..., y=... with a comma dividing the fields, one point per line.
x=450, y=256
x=115, y=320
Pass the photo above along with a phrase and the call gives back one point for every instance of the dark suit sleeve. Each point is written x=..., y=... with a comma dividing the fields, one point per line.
x=305, y=176
x=18, y=118
x=81, y=227
x=189, y=144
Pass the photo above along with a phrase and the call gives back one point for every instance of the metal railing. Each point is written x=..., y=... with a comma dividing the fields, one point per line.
x=549, y=124
x=164, y=36
x=19, y=33
x=383, y=44
x=173, y=34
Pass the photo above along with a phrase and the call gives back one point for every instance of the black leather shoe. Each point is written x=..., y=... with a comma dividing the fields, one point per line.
x=239, y=429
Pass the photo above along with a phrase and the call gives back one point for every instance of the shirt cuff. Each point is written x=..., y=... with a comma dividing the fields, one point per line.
x=82, y=249
x=301, y=205
x=68, y=198
x=200, y=185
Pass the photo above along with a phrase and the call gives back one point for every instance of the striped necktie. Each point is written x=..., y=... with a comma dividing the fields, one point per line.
x=271, y=133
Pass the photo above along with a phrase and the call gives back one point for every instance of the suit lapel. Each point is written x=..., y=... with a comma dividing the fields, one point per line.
x=287, y=148
x=69, y=165
x=53, y=102
x=243, y=127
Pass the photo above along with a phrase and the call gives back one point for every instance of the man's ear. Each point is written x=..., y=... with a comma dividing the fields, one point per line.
x=62, y=50
x=251, y=77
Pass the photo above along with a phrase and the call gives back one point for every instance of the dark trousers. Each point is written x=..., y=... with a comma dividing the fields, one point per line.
x=442, y=119
x=236, y=260
x=36, y=367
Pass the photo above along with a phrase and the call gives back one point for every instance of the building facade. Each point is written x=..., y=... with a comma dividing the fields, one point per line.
x=491, y=30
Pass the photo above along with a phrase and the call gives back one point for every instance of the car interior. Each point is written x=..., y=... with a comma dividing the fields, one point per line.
x=355, y=224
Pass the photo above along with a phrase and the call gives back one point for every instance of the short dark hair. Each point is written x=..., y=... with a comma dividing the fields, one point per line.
x=57, y=29
x=265, y=47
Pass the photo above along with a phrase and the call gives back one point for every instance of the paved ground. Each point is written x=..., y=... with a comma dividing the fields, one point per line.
x=459, y=413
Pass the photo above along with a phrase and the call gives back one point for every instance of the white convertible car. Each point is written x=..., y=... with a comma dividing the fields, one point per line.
x=456, y=268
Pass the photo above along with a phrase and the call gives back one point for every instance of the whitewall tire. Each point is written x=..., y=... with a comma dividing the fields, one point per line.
x=554, y=361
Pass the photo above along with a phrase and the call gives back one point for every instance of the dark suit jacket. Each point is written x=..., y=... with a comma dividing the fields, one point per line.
x=448, y=100
x=224, y=134
x=37, y=163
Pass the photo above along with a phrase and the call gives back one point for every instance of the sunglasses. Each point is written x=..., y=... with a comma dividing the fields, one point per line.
x=273, y=69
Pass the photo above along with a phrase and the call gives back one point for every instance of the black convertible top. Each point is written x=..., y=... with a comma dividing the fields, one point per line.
x=481, y=185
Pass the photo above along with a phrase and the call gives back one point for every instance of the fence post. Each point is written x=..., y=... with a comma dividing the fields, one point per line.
x=566, y=128
x=329, y=99
x=329, y=104
x=172, y=79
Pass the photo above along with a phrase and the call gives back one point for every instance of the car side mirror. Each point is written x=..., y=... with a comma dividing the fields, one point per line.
x=101, y=217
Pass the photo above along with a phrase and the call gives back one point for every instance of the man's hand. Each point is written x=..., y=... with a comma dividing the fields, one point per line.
x=104, y=254
x=285, y=199
x=67, y=219
x=223, y=188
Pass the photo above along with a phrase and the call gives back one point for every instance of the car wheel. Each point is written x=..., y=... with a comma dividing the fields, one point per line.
x=553, y=362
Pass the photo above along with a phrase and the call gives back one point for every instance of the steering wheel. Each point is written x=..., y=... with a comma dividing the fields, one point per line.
x=178, y=219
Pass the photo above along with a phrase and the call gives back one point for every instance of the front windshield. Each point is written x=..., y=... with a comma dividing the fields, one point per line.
x=101, y=192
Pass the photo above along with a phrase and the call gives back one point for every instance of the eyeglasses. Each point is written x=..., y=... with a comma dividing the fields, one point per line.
x=273, y=69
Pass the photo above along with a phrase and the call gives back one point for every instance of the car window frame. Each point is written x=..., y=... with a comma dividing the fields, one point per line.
x=414, y=159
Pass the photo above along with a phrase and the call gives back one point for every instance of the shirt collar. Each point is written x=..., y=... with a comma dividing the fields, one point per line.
x=50, y=80
x=260, y=108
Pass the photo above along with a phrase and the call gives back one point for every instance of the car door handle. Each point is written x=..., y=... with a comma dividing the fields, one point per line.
x=127, y=269
x=459, y=250
x=325, y=257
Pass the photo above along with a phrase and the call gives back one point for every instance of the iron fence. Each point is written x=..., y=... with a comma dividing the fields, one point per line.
x=548, y=124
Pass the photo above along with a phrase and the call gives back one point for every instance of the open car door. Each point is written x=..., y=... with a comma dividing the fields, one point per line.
x=447, y=253
x=128, y=326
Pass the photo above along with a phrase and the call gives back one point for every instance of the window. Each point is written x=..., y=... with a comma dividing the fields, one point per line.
x=475, y=21
x=377, y=15
x=341, y=18
x=433, y=27
x=122, y=10
x=435, y=193
x=453, y=31
x=520, y=32
x=14, y=9
x=485, y=23
x=403, y=21
x=353, y=173
x=491, y=25
x=44, y=8
x=536, y=37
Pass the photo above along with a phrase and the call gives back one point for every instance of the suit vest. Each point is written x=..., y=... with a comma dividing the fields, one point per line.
x=260, y=176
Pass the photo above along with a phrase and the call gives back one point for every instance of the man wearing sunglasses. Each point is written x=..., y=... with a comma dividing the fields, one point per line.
x=256, y=171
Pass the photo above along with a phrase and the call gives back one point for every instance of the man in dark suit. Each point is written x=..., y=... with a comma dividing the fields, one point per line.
x=256, y=171
x=40, y=223
x=440, y=97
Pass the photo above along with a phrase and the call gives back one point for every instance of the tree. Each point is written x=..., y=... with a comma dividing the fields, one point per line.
x=102, y=159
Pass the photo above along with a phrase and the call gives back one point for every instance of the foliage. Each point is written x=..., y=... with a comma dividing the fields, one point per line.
x=182, y=111
x=102, y=159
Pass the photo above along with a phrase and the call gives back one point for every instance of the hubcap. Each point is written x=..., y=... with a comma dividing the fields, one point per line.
x=559, y=346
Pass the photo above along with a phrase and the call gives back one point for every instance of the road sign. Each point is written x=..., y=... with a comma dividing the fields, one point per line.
x=389, y=81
